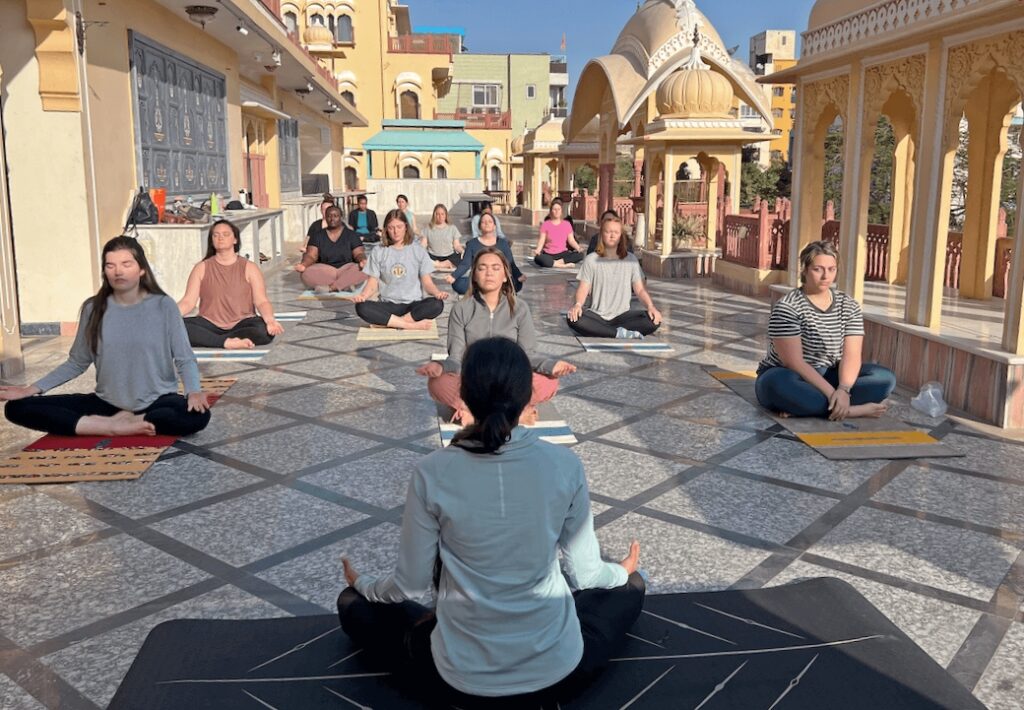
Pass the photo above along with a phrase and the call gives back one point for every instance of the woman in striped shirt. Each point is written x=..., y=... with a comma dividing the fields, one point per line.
x=815, y=335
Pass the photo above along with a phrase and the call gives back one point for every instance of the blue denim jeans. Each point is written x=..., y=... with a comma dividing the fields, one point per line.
x=783, y=390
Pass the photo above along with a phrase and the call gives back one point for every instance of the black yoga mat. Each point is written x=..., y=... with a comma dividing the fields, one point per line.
x=810, y=645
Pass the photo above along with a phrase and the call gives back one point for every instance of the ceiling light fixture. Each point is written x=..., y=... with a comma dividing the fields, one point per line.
x=200, y=14
x=242, y=30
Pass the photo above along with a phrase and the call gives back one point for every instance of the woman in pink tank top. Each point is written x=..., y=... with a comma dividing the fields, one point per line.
x=556, y=246
x=234, y=311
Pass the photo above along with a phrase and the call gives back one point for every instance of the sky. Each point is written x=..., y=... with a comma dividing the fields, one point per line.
x=591, y=26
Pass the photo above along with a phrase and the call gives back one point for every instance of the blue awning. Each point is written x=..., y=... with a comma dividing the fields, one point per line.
x=432, y=140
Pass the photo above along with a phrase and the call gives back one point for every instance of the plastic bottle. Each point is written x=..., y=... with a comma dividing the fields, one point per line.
x=929, y=400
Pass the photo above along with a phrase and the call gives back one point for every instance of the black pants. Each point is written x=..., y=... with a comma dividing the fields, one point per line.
x=204, y=334
x=591, y=325
x=548, y=260
x=59, y=413
x=380, y=312
x=399, y=636
x=452, y=258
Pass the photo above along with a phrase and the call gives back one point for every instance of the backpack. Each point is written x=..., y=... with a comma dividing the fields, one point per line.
x=143, y=210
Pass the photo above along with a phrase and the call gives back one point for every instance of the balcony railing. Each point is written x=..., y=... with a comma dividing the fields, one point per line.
x=422, y=44
x=273, y=5
x=478, y=118
x=320, y=68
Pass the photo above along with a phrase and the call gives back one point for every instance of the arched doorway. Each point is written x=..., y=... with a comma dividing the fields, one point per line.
x=255, y=162
x=410, y=172
x=495, y=175
x=409, y=105
x=351, y=178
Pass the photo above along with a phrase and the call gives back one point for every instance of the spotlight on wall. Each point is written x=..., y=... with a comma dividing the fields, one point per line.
x=275, y=58
x=242, y=30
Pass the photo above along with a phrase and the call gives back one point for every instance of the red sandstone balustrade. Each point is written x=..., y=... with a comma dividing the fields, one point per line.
x=877, y=266
x=954, y=253
x=1001, y=280
x=623, y=206
x=487, y=121
x=421, y=44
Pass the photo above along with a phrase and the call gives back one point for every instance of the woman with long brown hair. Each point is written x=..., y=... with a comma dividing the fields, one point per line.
x=442, y=240
x=491, y=310
x=133, y=333
x=234, y=311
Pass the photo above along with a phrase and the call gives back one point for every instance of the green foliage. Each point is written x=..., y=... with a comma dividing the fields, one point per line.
x=834, y=141
x=880, y=190
x=586, y=178
x=623, y=176
x=688, y=231
x=1011, y=177
x=768, y=184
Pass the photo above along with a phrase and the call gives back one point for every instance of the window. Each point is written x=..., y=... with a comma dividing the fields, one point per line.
x=409, y=105
x=330, y=24
x=792, y=113
x=441, y=172
x=531, y=91
x=349, y=96
x=410, y=172
x=343, y=30
x=291, y=21
x=792, y=97
x=351, y=179
x=495, y=177
x=316, y=19
x=779, y=91
x=485, y=95
x=784, y=39
x=777, y=112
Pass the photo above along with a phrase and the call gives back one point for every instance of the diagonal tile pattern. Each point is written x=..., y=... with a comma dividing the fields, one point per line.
x=309, y=454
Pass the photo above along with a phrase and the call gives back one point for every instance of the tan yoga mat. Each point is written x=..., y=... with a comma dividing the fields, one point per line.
x=550, y=426
x=71, y=459
x=852, y=439
x=384, y=333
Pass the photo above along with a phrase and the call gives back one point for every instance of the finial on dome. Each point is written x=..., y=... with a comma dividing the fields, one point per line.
x=694, y=62
x=687, y=15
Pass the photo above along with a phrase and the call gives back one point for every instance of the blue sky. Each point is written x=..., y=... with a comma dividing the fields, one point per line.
x=591, y=26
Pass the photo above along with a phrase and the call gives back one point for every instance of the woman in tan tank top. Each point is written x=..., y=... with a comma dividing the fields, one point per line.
x=230, y=292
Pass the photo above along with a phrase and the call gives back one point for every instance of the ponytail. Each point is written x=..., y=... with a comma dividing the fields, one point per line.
x=497, y=383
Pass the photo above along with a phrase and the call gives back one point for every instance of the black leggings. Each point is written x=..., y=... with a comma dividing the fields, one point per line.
x=59, y=413
x=548, y=260
x=399, y=636
x=380, y=312
x=204, y=334
x=454, y=259
x=592, y=325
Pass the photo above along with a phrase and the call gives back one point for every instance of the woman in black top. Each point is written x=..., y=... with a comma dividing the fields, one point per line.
x=334, y=257
x=318, y=225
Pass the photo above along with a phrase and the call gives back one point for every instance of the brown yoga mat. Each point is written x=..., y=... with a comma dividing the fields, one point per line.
x=851, y=439
x=70, y=459
x=385, y=333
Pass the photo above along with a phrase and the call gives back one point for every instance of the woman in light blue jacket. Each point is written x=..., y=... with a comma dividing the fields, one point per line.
x=485, y=520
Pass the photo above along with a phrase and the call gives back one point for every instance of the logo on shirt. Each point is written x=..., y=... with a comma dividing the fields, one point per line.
x=398, y=271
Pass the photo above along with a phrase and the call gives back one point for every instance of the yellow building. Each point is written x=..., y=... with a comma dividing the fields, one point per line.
x=774, y=51
x=213, y=99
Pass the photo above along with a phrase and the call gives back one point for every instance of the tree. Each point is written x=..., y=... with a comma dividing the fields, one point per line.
x=766, y=184
x=585, y=178
x=880, y=190
x=958, y=200
x=834, y=140
x=623, y=176
x=1011, y=177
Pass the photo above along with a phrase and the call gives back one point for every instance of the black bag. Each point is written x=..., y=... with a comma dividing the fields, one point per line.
x=143, y=210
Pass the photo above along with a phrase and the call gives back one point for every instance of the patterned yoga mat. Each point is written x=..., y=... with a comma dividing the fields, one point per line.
x=70, y=459
x=384, y=333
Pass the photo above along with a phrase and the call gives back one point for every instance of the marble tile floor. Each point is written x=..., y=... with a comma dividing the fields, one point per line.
x=308, y=457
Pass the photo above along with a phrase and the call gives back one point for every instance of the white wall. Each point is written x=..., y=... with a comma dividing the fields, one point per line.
x=422, y=194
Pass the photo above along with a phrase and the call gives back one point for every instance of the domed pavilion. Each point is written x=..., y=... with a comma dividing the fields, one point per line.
x=948, y=77
x=670, y=90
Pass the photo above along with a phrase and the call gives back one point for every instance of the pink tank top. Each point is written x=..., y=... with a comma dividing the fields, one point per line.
x=225, y=297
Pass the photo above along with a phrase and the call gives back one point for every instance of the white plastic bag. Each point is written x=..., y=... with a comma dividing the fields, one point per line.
x=929, y=400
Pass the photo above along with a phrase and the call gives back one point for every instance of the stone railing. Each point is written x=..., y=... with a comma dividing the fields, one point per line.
x=758, y=241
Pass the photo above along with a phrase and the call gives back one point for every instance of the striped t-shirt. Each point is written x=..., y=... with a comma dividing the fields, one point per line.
x=821, y=332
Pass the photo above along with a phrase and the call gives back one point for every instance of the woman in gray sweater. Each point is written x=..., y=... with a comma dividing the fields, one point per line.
x=499, y=525
x=134, y=335
x=490, y=309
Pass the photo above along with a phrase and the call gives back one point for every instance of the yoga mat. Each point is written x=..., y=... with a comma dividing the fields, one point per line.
x=311, y=295
x=600, y=345
x=290, y=316
x=550, y=426
x=438, y=357
x=70, y=459
x=852, y=439
x=806, y=646
x=384, y=333
x=220, y=354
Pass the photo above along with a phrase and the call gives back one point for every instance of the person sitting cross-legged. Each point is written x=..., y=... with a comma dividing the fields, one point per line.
x=474, y=224
x=491, y=309
x=814, y=366
x=363, y=221
x=230, y=292
x=460, y=278
x=609, y=276
x=556, y=245
x=400, y=272
x=442, y=240
x=498, y=525
x=133, y=333
x=334, y=257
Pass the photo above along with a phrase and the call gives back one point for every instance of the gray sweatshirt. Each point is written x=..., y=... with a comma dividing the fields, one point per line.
x=141, y=347
x=506, y=620
x=471, y=320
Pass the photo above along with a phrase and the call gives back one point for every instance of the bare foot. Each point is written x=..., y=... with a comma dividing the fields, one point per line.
x=418, y=325
x=558, y=264
x=120, y=424
x=871, y=409
x=529, y=416
x=239, y=344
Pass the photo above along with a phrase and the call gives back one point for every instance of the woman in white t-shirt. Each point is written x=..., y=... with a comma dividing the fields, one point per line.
x=442, y=240
x=400, y=271
x=814, y=366
x=609, y=276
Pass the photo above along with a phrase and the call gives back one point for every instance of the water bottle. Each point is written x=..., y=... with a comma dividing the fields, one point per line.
x=929, y=400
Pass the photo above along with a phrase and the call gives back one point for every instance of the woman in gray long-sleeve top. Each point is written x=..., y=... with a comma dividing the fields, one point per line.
x=491, y=309
x=134, y=335
x=499, y=525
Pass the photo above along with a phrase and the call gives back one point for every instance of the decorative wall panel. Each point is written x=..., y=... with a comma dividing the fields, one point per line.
x=180, y=125
x=288, y=140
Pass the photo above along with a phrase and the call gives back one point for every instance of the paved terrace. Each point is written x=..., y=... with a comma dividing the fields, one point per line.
x=308, y=457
